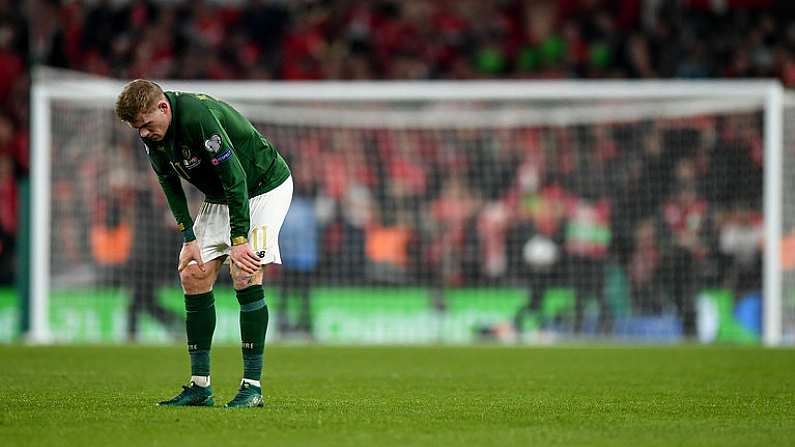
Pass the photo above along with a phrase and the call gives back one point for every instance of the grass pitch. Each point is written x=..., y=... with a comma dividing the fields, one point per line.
x=335, y=396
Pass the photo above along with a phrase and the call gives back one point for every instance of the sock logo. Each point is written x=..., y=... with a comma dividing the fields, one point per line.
x=248, y=345
x=193, y=347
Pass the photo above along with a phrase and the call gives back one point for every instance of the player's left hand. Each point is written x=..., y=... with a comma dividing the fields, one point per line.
x=245, y=258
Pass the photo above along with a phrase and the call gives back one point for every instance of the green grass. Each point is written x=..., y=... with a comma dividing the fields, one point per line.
x=394, y=396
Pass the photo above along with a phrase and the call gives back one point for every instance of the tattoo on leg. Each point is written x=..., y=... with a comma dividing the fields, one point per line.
x=244, y=279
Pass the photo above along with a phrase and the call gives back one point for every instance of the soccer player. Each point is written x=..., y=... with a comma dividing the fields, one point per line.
x=247, y=187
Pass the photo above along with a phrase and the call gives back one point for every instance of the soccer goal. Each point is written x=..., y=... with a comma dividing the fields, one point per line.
x=444, y=212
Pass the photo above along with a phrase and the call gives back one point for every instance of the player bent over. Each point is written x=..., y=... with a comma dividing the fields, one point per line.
x=247, y=187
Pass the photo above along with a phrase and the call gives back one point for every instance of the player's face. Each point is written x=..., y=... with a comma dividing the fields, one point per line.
x=153, y=125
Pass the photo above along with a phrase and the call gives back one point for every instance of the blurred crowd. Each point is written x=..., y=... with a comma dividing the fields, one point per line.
x=448, y=208
x=415, y=39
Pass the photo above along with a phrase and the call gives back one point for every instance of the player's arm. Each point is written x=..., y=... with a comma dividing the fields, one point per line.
x=178, y=203
x=175, y=195
x=233, y=179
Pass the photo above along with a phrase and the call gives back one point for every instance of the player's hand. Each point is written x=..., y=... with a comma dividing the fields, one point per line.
x=190, y=252
x=244, y=257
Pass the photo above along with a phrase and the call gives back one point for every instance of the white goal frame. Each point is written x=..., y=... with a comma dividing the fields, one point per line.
x=769, y=94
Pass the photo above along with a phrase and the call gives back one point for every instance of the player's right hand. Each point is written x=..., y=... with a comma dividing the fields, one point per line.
x=190, y=252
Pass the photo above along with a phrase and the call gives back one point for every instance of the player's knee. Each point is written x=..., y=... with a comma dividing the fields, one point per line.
x=194, y=280
x=241, y=279
x=240, y=283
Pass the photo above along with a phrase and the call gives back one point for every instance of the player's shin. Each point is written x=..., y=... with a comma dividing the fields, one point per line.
x=200, y=325
x=253, y=325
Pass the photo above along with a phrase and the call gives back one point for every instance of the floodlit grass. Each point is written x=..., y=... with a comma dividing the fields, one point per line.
x=399, y=396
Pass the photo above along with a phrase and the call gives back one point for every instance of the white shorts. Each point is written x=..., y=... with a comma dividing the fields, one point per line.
x=266, y=211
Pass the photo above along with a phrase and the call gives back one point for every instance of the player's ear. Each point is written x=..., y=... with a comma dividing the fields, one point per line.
x=162, y=105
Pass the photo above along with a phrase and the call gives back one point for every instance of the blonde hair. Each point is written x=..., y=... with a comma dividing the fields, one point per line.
x=138, y=96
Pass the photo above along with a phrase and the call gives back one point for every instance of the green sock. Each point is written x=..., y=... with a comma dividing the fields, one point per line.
x=200, y=325
x=253, y=325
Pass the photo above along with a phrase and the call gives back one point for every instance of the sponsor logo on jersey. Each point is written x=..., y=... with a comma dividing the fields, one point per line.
x=192, y=163
x=261, y=254
x=223, y=157
x=213, y=144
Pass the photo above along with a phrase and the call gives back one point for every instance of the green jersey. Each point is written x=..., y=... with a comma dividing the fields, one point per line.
x=212, y=146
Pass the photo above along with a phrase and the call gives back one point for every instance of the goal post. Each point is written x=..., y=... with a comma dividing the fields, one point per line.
x=428, y=117
x=773, y=196
x=38, y=307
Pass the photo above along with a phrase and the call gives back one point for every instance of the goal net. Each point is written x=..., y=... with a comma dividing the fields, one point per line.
x=443, y=212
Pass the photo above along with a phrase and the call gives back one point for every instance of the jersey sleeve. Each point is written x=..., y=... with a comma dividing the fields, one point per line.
x=229, y=169
x=175, y=195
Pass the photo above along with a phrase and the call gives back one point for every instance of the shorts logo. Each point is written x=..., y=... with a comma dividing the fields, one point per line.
x=223, y=157
x=213, y=144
